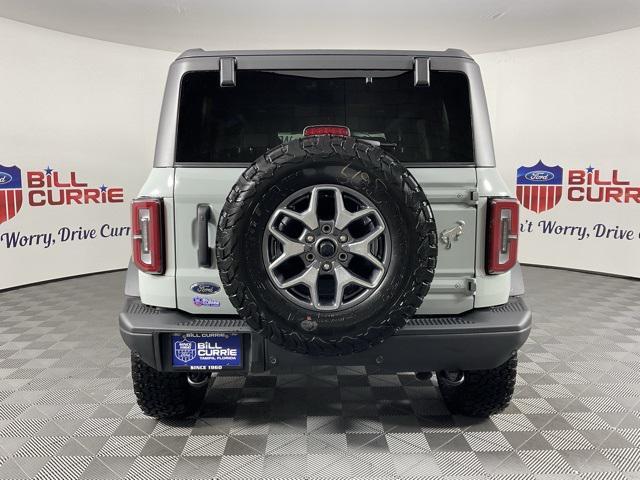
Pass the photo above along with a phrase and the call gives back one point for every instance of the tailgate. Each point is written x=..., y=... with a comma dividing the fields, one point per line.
x=451, y=191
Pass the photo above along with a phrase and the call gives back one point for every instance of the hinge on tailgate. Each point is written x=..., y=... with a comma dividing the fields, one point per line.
x=471, y=285
x=460, y=286
x=438, y=195
x=227, y=72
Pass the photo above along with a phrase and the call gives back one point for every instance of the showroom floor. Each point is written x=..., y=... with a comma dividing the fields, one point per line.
x=67, y=409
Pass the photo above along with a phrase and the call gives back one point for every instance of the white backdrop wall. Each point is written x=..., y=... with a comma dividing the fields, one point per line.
x=80, y=106
x=576, y=105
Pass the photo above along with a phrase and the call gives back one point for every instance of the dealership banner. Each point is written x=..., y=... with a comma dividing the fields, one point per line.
x=57, y=220
x=578, y=215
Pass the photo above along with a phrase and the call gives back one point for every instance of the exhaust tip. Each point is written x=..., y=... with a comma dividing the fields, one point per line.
x=198, y=380
x=451, y=378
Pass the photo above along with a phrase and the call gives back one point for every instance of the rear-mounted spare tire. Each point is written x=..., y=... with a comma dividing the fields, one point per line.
x=326, y=245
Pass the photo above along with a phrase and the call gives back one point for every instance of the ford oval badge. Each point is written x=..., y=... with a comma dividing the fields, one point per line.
x=205, y=288
x=5, y=178
x=539, y=176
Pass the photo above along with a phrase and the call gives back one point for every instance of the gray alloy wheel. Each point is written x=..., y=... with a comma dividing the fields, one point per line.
x=326, y=247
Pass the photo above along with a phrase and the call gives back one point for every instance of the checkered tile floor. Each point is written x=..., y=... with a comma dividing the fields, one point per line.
x=67, y=409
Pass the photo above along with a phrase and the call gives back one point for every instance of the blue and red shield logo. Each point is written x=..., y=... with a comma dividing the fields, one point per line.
x=10, y=192
x=539, y=188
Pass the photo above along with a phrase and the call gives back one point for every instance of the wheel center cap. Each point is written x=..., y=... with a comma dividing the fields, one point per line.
x=327, y=248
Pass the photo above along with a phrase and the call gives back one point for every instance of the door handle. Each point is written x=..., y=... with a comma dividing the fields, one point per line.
x=204, y=252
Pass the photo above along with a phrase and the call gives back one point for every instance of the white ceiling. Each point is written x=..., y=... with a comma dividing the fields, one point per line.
x=474, y=25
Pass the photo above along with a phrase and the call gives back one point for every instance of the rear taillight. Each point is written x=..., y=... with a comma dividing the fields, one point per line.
x=502, y=234
x=326, y=130
x=146, y=226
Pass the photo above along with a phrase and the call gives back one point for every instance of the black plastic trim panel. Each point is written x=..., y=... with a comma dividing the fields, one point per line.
x=478, y=339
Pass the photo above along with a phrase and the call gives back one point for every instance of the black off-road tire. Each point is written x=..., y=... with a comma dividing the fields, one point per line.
x=163, y=394
x=309, y=161
x=483, y=392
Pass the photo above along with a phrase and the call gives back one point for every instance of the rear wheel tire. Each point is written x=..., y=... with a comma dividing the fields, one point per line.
x=482, y=392
x=164, y=394
x=313, y=241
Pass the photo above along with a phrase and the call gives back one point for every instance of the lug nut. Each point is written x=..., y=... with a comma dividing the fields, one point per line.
x=309, y=257
x=326, y=228
x=342, y=257
x=310, y=238
x=343, y=238
x=326, y=266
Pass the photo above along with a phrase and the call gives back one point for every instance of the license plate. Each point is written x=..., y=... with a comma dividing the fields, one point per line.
x=206, y=351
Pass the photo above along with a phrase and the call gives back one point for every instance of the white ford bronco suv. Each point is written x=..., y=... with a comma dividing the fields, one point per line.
x=310, y=208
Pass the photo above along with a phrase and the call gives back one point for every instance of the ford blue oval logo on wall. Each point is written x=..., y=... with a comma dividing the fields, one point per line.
x=205, y=288
x=5, y=178
x=539, y=176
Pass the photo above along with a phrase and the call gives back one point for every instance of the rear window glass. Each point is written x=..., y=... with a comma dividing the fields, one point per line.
x=264, y=109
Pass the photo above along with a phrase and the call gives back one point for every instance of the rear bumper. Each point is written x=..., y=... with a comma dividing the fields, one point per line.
x=478, y=339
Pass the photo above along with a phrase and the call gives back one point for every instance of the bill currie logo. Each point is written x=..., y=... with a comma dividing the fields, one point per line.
x=185, y=351
x=48, y=187
x=10, y=192
x=539, y=187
